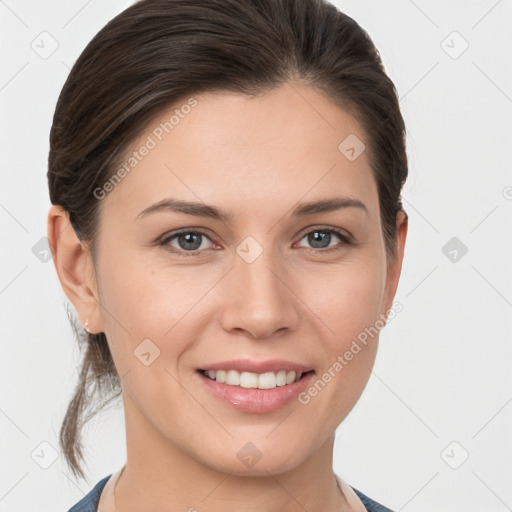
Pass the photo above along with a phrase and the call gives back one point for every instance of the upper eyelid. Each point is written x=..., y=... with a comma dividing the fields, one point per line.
x=309, y=229
x=171, y=234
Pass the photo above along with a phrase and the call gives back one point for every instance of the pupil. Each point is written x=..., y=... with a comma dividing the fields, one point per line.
x=315, y=235
x=188, y=239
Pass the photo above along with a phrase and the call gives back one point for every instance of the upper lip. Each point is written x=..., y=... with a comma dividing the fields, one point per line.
x=249, y=365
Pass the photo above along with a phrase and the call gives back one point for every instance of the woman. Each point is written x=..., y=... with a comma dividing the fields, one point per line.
x=231, y=171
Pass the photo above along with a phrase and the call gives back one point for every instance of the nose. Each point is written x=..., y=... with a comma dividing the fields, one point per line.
x=259, y=298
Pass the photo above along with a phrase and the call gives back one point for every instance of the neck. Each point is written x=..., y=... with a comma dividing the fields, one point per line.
x=160, y=476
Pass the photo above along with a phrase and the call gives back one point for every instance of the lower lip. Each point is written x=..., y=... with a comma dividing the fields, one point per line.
x=257, y=400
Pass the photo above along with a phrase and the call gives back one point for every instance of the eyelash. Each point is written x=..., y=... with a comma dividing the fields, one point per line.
x=187, y=254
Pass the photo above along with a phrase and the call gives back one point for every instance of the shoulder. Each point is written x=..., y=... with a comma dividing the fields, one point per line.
x=371, y=506
x=359, y=501
x=89, y=503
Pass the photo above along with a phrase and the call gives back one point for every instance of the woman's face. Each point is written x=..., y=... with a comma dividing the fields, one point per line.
x=269, y=282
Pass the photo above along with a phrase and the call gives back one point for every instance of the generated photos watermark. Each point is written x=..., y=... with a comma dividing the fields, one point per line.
x=151, y=142
x=343, y=359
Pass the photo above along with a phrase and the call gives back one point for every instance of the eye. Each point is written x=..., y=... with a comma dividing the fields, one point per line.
x=320, y=239
x=187, y=243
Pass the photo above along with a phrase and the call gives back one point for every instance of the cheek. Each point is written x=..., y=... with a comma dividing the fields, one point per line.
x=146, y=316
x=154, y=303
x=350, y=307
x=347, y=301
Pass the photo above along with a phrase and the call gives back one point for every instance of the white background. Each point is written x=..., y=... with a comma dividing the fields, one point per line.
x=443, y=371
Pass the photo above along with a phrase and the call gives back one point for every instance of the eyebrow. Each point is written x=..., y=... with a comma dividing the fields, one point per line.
x=198, y=209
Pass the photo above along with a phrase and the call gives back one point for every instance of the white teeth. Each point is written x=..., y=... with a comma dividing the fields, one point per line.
x=268, y=380
x=232, y=378
x=281, y=378
x=248, y=380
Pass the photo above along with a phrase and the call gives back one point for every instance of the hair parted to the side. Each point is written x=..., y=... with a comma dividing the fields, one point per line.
x=157, y=52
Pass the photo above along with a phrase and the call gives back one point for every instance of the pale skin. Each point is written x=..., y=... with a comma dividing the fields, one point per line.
x=257, y=158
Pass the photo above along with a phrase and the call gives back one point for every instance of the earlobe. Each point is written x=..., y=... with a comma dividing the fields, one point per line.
x=73, y=262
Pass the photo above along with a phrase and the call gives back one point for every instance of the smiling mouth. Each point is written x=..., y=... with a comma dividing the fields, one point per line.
x=250, y=380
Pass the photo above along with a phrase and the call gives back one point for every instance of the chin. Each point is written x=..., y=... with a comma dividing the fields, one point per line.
x=255, y=459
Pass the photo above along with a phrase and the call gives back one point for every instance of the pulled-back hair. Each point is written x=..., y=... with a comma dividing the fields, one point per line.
x=158, y=52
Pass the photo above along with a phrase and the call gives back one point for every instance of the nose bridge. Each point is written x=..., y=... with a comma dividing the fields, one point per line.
x=259, y=301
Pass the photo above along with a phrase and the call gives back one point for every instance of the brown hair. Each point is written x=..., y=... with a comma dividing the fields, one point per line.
x=157, y=52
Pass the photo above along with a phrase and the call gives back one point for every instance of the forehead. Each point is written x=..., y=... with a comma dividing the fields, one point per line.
x=243, y=152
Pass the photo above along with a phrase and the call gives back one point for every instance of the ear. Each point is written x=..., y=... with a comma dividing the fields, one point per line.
x=74, y=265
x=394, y=267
